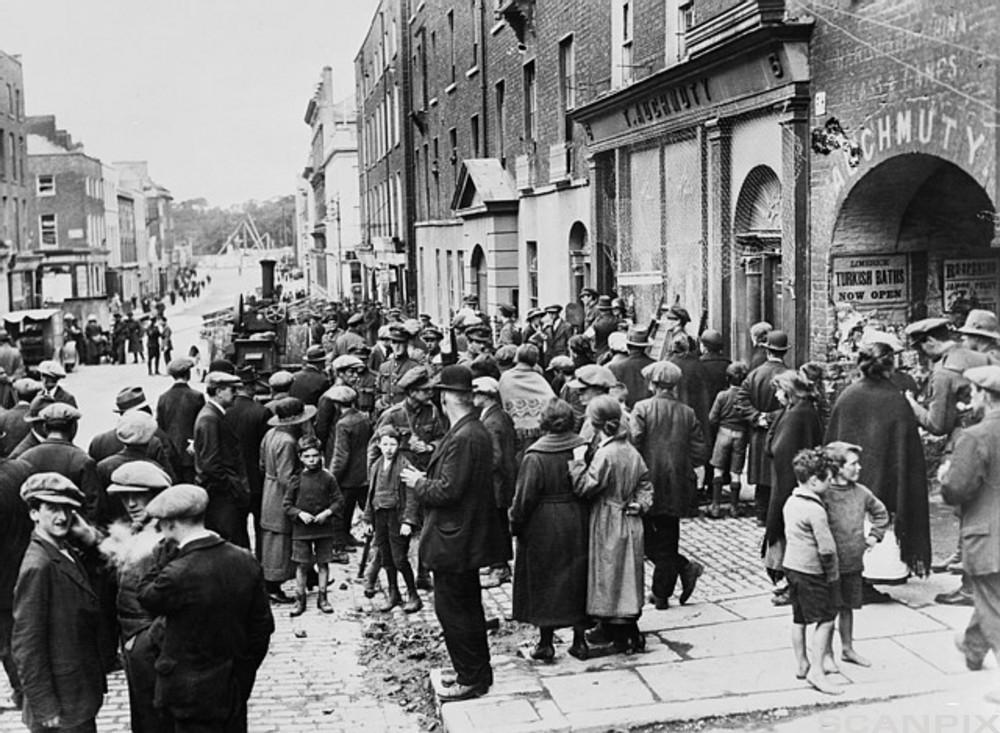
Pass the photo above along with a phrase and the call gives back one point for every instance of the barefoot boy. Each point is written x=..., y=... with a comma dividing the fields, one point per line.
x=847, y=502
x=811, y=565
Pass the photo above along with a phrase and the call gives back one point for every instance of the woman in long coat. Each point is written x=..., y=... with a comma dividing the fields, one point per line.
x=797, y=427
x=874, y=414
x=279, y=462
x=618, y=483
x=549, y=523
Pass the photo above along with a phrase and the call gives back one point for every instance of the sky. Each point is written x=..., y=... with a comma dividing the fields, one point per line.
x=212, y=93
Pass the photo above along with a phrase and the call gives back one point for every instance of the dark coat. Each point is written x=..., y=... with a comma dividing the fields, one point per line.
x=629, y=373
x=604, y=325
x=795, y=428
x=350, y=445
x=61, y=395
x=13, y=427
x=425, y=422
x=248, y=420
x=501, y=429
x=72, y=462
x=551, y=525
x=28, y=441
x=407, y=505
x=158, y=450
x=713, y=370
x=670, y=439
x=15, y=527
x=557, y=338
x=756, y=399
x=176, y=411
x=55, y=639
x=308, y=384
x=218, y=462
x=461, y=526
x=216, y=631
x=693, y=389
x=873, y=414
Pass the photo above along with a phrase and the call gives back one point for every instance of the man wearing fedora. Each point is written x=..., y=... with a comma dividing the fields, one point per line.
x=218, y=462
x=629, y=370
x=758, y=401
x=461, y=532
x=311, y=380
x=981, y=333
x=602, y=325
x=159, y=449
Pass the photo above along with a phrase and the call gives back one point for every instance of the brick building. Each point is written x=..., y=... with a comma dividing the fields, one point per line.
x=382, y=73
x=17, y=270
x=68, y=213
x=161, y=263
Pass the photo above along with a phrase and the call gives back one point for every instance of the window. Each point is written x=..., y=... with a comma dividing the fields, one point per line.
x=532, y=252
x=18, y=111
x=626, y=41
x=685, y=21
x=475, y=34
x=621, y=44
x=501, y=125
x=529, y=101
x=13, y=158
x=474, y=132
x=453, y=157
x=10, y=101
x=46, y=185
x=3, y=156
x=451, y=45
x=567, y=84
x=47, y=227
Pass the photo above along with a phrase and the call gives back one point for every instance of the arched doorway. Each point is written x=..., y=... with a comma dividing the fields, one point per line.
x=579, y=259
x=757, y=261
x=931, y=221
x=479, y=278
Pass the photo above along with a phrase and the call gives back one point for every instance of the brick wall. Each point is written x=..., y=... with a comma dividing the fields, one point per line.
x=16, y=186
x=71, y=204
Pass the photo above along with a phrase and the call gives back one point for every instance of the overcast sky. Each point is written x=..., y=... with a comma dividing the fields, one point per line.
x=211, y=92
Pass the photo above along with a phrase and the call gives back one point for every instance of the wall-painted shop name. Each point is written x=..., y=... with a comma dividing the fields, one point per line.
x=667, y=102
x=870, y=281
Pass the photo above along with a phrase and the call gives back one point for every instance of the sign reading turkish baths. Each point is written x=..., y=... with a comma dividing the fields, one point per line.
x=973, y=281
x=871, y=280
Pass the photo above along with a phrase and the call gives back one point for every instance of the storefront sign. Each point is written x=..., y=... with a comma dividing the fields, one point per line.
x=973, y=281
x=872, y=281
x=662, y=104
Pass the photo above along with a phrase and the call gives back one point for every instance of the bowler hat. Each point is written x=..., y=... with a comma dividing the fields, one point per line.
x=291, y=411
x=136, y=476
x=981, y=323
x=179, y=501
x=454, y=378
x=712, y=339
x=604, y=303
x=130, y=398
x=52, y=488
x=776, y=341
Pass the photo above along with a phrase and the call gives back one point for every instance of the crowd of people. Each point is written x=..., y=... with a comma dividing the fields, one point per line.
x=169, y=539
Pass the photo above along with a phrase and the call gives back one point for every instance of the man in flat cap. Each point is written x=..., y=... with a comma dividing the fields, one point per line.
x=311, y=380
x=279, y=383
x=393, y=369
x=15, y=533
x=159, y=449
x=13, y=426
x=218, y=462
x=217, y=622
x=51, y=372
x=351, y=337
x=346, y=370
x=486, y=397
x=461, y=532
x=176, y=411
x=970, y=481
x=55, y=639
x=134, y=430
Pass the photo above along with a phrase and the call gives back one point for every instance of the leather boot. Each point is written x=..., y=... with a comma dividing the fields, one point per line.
x=413, y=602
x=392, y=597
x=300, y=605
x=323, y=603
x=734, y=495
x=579, y=649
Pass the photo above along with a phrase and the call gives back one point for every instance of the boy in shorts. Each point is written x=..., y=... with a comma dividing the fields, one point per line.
x=729, y=425
x=847, y=502
x=811, y=565
x=314, y=503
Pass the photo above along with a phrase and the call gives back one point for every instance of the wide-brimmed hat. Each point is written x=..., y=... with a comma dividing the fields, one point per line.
x=981, y=323
x=291, y=411
x=454, y=378
x=130, y=398
x=637, y=337
x=776, y=341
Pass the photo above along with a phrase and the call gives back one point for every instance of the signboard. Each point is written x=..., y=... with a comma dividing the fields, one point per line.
x=871, y=281
x=973, y=281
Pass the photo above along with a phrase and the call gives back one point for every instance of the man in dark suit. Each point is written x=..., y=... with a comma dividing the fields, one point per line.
x=13, y=426
x=51, y=372
x=55, y=639
x=461, y=532
x=629, y=370
x=247, y=418
x=557, y=332
x=217, y=622
x=15, y=532
x=176, y=411
x=311, y=381
x=158, y=449
x=218, y=461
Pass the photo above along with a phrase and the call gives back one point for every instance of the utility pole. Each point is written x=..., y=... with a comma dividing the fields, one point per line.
x=340, y=261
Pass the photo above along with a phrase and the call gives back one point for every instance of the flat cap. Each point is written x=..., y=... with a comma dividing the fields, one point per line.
x=873, y=336
x=485, y=385
x=281, y=380
x=398, y=333
x=925, y=325
x=59, y=412
x=561, y=362
x=27, y=388
x=507, y=310
x=676, y=312
x=49, y=368
x=432, y=332
x=179, y=366
x=39, y=403
x=52, y=488
x=553, y=308
x=387, y=431
x=180, y=501
x=346, y=361
x=662, y=372
x=416, y=378
x=480, y=334
x=222, y=365
x=986, y=377
x=222, y=379
x=136, y=476
x=355, y=320
x=534, y=313
x=593, y=375
x=384, y=332
x=506, y=354
x=135, y=428
x=839, y=448
x=342, y=394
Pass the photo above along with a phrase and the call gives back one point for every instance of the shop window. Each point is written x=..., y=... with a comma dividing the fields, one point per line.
x=48, y=235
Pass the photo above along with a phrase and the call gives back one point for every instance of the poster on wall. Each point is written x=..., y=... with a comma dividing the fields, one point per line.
x=971, y=283
x=871, y=281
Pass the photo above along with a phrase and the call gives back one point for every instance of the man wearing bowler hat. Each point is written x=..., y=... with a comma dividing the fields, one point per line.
x=218, y=465
x=216, y=620
x=461, y=532
x=176, y=411
x=758, y=401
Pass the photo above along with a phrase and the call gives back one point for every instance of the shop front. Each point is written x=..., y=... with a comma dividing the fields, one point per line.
x=700, y=179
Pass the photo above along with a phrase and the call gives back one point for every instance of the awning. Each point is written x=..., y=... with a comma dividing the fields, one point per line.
x=32, y=314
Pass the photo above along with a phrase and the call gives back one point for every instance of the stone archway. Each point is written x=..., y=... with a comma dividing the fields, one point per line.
x=479, y=274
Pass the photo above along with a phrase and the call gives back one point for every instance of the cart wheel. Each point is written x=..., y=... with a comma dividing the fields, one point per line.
x=274, y=313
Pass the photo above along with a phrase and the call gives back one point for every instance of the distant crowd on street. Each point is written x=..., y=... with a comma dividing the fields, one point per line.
x=567, y=449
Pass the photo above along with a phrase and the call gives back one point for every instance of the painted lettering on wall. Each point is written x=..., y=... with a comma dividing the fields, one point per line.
x=667, y=102
x=871, y=281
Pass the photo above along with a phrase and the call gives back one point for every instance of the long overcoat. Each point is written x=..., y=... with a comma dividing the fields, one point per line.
x=796, y=427
x=176, y=411
x=756, y=398
x=501, y=429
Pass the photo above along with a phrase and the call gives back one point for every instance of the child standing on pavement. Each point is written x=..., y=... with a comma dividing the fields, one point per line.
x=729, y=425
x=847, y=502
x=314, y=503
x=811, y=565
x=392, y=510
